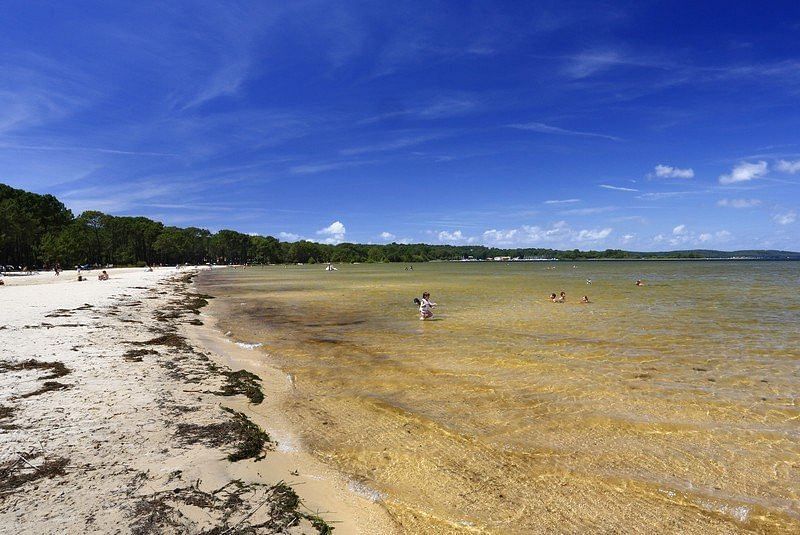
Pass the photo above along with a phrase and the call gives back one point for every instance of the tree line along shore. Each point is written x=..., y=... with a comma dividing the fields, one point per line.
x=40, y=231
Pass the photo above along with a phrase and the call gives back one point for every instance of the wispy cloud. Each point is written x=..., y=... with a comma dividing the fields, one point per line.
x=312, y=168
x=450, y=106
x=786, y=166
x=548, y=129
x=738, y=203
x=785, y=218
x=83, y=149
x=589, y=211
x=395, y=144
x=616, y=188
x=744, y=172
x=562, y=201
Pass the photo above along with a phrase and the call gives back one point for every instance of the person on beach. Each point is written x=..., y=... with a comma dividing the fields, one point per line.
x=425, y=306
x=103, y=276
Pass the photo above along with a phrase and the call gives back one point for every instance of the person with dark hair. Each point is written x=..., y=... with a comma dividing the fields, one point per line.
x=425, y=306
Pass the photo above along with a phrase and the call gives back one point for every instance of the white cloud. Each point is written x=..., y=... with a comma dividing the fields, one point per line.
x=617, y=188
x=500, y=236
x=627, y=238
x=562, y=201
x=288, y=236
x=745, y=172
x=454, y=237
x=559, y=234
x=667, y=171
x=387, y=236
x=592, y=235
x=786, y=218
x=683, y=237
x=738, y=203
x=335, y=233
x=788, y=167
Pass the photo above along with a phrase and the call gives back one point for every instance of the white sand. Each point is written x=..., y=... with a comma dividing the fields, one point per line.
x=115, y=422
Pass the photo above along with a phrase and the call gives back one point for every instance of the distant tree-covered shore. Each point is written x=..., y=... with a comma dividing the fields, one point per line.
x=39, y=231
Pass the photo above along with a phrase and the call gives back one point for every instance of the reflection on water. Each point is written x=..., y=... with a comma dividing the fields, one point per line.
x=668, y=407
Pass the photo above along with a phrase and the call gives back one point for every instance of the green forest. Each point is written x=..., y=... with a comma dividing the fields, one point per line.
x=38, y=231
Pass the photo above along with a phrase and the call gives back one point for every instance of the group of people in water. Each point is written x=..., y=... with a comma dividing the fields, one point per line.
x=426, y=305
x=562, y=298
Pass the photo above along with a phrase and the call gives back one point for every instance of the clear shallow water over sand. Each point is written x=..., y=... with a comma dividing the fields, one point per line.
x=672, y=406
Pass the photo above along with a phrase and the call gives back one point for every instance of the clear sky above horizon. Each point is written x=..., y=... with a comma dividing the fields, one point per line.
x=654, y=126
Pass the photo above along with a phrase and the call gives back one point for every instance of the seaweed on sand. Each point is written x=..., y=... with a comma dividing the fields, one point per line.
x=169, y=339
x=232, y=507
x=5, y=414
x=242, y=382
x=48, y=386
x=57, y=369
x=135, y=355
x=15, y=473
x=247, y=439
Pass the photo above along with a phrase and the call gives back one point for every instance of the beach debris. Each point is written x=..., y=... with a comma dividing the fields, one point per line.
x=48, y=386
x=135, y=355
x=242, y=382
x=57, y=369
x=236, y=507
x=247, y=439
x=13, y=475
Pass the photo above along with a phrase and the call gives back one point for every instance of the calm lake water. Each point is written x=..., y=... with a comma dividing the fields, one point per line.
x=668, y=407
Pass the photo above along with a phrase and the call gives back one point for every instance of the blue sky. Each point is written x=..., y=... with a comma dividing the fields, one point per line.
x=654, y=126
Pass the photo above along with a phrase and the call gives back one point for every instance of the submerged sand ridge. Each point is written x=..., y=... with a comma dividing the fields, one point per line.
x=111, y=421
x=665, y=408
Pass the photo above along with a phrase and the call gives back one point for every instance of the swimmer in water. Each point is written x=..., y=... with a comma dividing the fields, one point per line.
x=585, y=299
x=425, y=306
x=639, y=282
x=563, y=297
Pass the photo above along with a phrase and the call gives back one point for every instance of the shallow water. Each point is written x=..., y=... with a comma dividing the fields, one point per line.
x=667, y=407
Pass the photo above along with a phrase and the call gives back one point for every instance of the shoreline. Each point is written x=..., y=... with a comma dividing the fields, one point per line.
x=321, y=486
x=113, y=420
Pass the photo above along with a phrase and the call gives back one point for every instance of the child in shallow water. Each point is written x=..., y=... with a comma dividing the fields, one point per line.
x=425, y=306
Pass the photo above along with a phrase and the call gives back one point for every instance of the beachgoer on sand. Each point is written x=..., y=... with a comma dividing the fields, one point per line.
x=103, y=276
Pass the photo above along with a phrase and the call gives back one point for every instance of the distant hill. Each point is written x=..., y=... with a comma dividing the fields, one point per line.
x=749, y=254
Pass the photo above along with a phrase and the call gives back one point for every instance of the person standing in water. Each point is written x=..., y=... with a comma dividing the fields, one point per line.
x=425, y=306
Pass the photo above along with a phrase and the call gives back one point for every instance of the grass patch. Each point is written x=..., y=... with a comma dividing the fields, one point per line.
x=57, y=369
x=244, y=383
x=247, y=439
x=14, y=474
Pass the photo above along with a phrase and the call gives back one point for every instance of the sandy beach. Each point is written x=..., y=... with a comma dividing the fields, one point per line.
x=123, y=409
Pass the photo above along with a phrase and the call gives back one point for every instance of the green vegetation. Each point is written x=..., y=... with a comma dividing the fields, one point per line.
x=38, y=230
